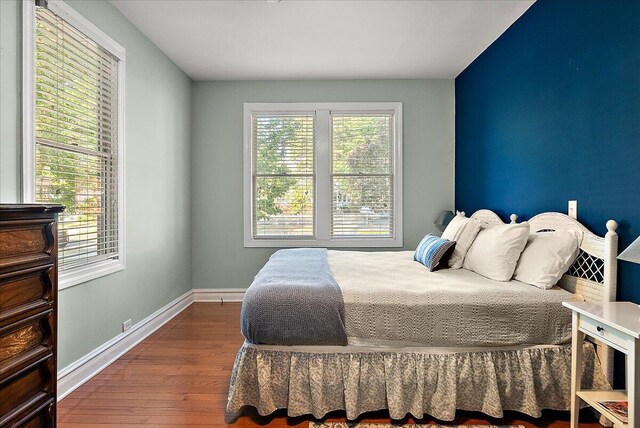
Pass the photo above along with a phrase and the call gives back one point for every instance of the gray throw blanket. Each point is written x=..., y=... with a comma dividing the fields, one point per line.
x=294, y=300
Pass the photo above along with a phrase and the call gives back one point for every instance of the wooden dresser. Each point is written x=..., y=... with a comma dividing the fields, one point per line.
x=28, y=311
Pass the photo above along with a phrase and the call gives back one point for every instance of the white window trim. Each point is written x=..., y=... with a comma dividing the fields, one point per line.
x=322, y=175
x=80, y=274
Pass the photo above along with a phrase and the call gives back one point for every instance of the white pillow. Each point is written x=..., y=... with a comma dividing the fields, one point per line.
x=463, y=231
x=496, y=250
x=547, y=256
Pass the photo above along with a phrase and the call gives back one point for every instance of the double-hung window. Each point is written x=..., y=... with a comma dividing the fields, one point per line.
x=323, y=174
x=73, y=136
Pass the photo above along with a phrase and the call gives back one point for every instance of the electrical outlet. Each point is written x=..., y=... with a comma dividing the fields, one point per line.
x=573, y=209
x=126, y=325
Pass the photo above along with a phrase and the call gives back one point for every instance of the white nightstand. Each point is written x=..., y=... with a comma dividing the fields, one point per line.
x=616, y=324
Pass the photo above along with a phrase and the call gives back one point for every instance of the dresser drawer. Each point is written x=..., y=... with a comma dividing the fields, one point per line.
x=24, y=341
x=604, y=332
x=25, y=242
x=25, y=291
x=27, y=387
x=40, y=415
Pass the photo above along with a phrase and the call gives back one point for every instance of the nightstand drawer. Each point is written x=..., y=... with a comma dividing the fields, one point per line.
x=604, y=332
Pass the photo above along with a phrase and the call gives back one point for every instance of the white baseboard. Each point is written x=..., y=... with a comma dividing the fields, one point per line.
x=218, y=294
x=80, y=371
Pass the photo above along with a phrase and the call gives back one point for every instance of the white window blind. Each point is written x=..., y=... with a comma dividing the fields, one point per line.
x=283, y=177
x=362, y=175
x=76, y=139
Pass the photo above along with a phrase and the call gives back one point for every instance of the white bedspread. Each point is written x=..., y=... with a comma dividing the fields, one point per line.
x=391, y=300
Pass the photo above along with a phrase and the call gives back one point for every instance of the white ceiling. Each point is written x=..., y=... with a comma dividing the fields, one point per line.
x=298, y=39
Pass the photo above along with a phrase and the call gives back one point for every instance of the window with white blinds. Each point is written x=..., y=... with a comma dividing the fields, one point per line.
x=76, y=142
x=283, y=175
x=323, y=174
x=362, y=175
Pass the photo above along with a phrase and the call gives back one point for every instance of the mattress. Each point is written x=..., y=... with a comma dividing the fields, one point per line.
x=391, y=300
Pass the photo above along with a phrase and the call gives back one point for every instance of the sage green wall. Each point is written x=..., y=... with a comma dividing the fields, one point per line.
x=219, y=258
x=10, y=105
x=158, y=215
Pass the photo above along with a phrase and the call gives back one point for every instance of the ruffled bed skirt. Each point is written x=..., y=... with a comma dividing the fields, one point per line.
x=421, y=383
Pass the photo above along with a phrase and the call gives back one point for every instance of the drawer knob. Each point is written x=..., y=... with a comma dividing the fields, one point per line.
x=600, y=329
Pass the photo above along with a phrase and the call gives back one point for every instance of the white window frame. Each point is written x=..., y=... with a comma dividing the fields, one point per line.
x=322, y=174
x=76, y=275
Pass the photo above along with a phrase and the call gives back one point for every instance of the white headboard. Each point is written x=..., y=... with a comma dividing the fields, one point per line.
x=594, y=273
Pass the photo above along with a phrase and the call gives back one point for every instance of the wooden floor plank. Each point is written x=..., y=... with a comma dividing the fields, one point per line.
x=179, y=377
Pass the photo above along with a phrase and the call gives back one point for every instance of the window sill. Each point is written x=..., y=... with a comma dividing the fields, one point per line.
x=83, y=274
x=328, y=243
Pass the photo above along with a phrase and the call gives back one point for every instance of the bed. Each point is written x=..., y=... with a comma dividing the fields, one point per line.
x=416, y=343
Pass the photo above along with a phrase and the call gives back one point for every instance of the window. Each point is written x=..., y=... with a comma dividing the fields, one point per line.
x=283, y=175
x=323, y=174
x=73, y=149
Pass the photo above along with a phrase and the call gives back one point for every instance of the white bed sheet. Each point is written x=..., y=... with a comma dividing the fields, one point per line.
x=391, y=300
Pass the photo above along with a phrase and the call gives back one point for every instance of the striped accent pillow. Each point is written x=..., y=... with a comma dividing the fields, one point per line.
x=432, y=250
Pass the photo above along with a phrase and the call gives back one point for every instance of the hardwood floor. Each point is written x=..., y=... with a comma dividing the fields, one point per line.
x=179, y=376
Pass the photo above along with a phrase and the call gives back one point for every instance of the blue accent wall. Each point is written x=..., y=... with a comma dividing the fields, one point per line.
x=551, y=112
